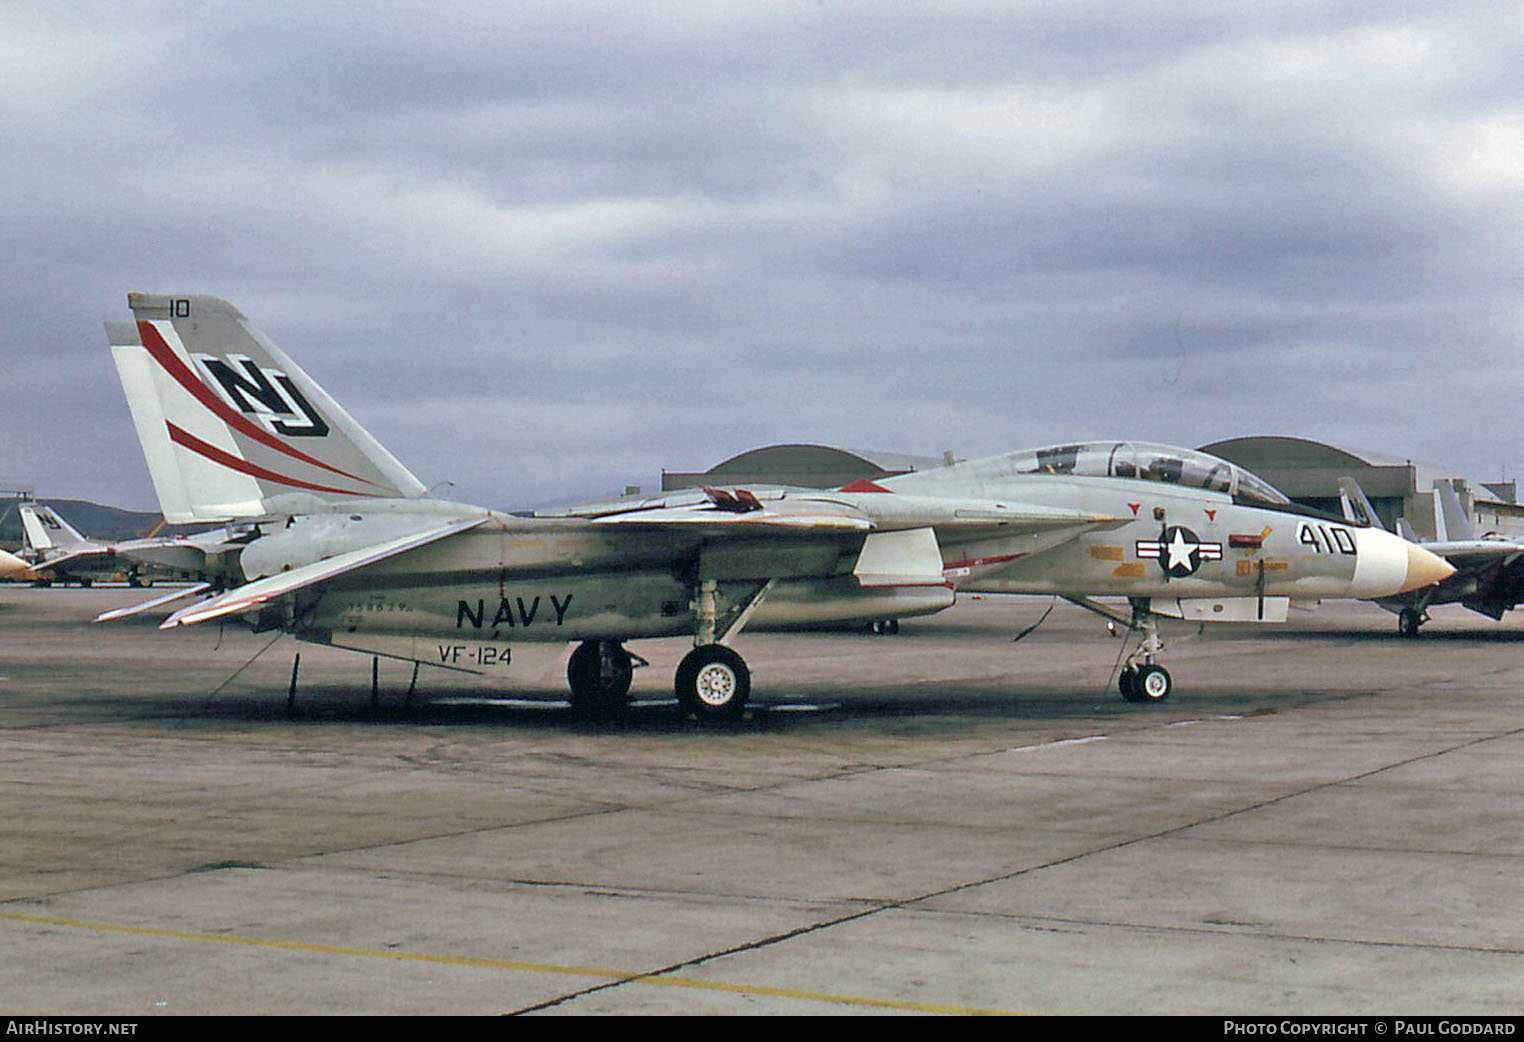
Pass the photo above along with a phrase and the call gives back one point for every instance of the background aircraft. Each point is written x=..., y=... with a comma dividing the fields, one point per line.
x=13, y=567
x=352, y=551
x=58, y=551
x=1489, y=570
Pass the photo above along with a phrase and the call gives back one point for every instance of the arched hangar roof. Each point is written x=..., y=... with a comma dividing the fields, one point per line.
x=811, y=466
x=802, y=456
x=1301, y=467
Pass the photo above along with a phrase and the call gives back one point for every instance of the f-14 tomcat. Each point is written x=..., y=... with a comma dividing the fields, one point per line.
x=58, y=551
x=351, y=550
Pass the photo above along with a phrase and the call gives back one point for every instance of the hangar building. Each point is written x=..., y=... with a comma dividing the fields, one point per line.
x=1309, y=472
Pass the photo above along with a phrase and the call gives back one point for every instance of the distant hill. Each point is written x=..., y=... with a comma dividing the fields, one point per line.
x=92, y=519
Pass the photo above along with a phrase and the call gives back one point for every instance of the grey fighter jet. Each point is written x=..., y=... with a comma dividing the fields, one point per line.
x=352, y=551
x=1489, y=569
x=58, y=551
x=13, y=567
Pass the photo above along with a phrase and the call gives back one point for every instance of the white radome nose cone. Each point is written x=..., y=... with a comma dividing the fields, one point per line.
x=1388, y=565
x=1425, y=568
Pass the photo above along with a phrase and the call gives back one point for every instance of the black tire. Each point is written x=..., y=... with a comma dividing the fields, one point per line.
x=1152, y=684
x=713, y=683
x=1408, y=621
x=599, y=674
x=1127, y=684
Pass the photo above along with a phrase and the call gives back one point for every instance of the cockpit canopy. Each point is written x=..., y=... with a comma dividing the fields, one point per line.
x=1148, y=462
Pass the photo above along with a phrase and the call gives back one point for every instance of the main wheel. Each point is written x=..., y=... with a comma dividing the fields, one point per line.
x=713, y=683
x=1152, y=684
x=1408, y=621
x=599, y=674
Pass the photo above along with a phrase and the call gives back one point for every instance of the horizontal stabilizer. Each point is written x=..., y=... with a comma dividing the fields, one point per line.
x=251, y=595
x=101, y=551
x=157, y=602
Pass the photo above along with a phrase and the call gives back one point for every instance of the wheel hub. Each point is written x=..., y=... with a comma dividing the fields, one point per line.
x=715, y=684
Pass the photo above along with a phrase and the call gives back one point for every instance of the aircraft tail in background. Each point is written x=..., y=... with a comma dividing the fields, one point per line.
x=45, y=530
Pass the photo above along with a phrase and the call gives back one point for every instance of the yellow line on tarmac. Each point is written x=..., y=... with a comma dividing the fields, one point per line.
x=512, y=965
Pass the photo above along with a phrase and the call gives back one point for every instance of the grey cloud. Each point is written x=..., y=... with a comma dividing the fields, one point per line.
x=551, y=250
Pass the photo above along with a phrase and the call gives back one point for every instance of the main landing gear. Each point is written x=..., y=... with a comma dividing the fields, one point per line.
x=712, y=681
x=599, y=675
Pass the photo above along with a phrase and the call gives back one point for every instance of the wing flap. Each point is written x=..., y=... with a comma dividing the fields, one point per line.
x=107, y=558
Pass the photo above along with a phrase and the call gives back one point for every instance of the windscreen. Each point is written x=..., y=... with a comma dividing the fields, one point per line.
x=1142, y=461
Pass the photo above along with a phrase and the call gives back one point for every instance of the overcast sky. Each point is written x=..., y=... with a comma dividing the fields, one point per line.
x=546, y=250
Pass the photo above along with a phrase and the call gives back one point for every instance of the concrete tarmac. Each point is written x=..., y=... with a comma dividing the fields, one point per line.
x=1324, y=819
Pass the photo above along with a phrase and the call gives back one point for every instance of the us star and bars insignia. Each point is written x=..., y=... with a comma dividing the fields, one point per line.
x=1180, y=552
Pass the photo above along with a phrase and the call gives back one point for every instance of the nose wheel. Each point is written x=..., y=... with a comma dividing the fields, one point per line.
x=1148, y=683
x=1142, y=679
x=1409, y=620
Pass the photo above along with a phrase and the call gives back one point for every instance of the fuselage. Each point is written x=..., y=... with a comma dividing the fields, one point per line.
x=515, y=580
x=520, y=579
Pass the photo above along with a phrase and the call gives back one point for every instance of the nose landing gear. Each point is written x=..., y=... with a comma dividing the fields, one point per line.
x=1142, y=679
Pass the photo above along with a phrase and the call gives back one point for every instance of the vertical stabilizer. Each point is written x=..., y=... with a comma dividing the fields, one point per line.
x=1451, y=522
x=230, y=426
x=43, y=529
x=1356, y=506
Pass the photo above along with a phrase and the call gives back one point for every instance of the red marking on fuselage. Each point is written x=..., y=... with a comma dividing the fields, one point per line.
x=1134, y=507
x=1211, y=514
x=863, y=485
x=978, y=562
